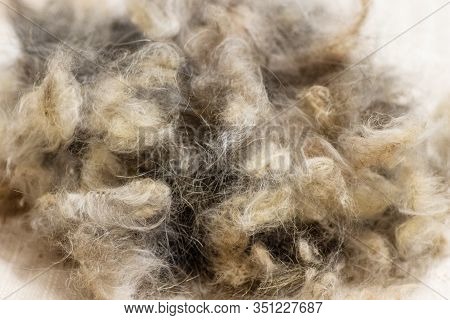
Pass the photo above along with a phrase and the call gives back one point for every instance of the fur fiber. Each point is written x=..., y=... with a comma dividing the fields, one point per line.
x=218, y=149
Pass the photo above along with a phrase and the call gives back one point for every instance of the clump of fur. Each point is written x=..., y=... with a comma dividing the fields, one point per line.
x=218, y=149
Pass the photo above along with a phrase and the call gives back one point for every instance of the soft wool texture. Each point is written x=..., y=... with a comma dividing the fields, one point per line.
x=218, y=149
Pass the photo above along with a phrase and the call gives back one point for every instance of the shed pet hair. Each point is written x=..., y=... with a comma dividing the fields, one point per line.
x=219, y=149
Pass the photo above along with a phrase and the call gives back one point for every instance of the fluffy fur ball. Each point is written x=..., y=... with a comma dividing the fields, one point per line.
x=218, y=149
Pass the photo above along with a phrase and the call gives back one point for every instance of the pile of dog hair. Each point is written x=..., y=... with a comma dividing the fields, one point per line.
x=218, y=149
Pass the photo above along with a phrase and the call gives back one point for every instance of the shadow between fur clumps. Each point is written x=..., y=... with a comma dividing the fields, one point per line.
x=216, y=149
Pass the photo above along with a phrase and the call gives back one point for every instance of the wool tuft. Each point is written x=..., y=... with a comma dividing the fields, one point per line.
x=219, y=149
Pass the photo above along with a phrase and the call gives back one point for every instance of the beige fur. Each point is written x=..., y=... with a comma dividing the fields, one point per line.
x=219, y=149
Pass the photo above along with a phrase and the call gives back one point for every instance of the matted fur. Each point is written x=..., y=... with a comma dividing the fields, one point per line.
x=218, y=149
